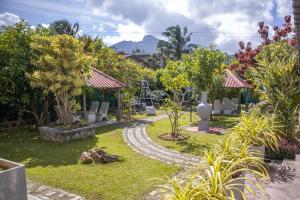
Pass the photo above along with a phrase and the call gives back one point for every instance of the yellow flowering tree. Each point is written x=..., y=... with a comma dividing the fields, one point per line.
x=175, y=79
x=60, y=68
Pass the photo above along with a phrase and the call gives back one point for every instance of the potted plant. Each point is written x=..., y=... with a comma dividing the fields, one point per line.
x=12, y=180
x=259, y=130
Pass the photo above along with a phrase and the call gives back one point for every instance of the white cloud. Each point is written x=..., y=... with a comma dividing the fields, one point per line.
x=8, y=19
x=128, y=31
x=284, y=7
x=45, y=25
x=222, y=22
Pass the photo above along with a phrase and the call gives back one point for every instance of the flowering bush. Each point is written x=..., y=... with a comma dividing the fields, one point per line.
x=245, y=56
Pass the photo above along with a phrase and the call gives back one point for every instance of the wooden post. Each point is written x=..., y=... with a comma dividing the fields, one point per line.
x=84, y=105
x=239, y=101
x=247, y=103
x=119, y=111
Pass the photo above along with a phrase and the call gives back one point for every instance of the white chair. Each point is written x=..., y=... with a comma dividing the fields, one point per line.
x=227, y=106
x=235, y=103
x=102, y=114
x=92, y=112
x=217, y=106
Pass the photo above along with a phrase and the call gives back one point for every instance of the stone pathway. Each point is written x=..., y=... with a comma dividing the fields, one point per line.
x=136, y=137
x=38, y=191
x=284, y=182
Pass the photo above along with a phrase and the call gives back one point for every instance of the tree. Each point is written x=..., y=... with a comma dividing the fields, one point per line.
x=245, y=56
x=15, y=61
x=279, y=84
x=203, y=64
x=60, y=68
x=15, y=54
x=177, y=41
x=175, y=78
x=91, y=44
x=65, y=27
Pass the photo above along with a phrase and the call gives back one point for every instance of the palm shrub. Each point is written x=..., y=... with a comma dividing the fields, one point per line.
x=216, y=180
x=258, y=129
x=279, y=83
x=221, y=175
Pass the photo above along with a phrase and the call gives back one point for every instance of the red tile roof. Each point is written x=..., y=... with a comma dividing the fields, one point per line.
x=101, y=80
x=234, y=81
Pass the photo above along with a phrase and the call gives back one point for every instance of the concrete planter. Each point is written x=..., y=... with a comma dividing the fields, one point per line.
x=12, y=180
x=57, y=134
x=239, y=188
x=260, y=151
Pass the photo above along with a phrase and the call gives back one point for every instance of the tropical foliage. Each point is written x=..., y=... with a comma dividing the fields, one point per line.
x=15, y=53
x=64, y=27
x=258, y=129
x=60, y=67
x=222, y=173
x=18, y=57
x=204, y=64
x=245, y=56
x=176, y=43
x=278, y=81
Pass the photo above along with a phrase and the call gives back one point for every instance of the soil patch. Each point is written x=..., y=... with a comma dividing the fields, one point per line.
x=169, y=137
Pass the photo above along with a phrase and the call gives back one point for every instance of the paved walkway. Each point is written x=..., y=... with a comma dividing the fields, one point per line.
x=284, y=182
x=38, y=191
x=136, y=137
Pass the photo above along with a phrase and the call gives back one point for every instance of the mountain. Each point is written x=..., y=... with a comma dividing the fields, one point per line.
x=147, y=45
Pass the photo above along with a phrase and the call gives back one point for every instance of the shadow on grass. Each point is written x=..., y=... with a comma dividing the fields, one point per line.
x=224, y=121
x=194, y=147
x=25, y=146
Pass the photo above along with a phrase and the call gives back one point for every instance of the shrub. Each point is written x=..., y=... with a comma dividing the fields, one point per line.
x=258, y=129
x=279, y=83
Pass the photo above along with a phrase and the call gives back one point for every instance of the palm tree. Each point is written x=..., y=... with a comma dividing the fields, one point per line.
x=65, y=27
x=91, y=44
x=177, y=40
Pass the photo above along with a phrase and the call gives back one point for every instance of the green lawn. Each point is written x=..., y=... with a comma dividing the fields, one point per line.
x=197, y=142
x=57, y=164
x=143, y=115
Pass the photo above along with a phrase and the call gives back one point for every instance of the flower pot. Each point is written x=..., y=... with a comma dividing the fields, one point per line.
x=239, y=187
x=259, y=151
x=12, y=180
x=204, y=111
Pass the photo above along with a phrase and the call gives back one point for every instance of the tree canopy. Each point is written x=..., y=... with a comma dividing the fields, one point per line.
x=60, y=67
x=203, y=63
x=64, y=27
x=177, y=40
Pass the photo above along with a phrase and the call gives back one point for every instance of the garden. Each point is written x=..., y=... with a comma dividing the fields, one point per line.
x=200, y=125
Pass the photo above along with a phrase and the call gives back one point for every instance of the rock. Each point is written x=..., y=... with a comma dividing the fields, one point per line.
x=97, y=156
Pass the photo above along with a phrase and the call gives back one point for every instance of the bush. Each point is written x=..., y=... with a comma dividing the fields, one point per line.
x=279, y=83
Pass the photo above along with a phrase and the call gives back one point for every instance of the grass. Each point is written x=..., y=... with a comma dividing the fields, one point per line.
x=142, y=115
x=197, y=142
x=57, y=164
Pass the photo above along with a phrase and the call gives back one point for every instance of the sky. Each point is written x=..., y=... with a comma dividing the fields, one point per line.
x=221, y=22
